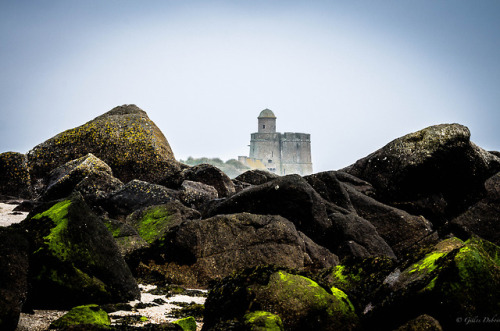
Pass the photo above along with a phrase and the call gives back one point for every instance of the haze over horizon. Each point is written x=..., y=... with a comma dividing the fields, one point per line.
x=355, y=75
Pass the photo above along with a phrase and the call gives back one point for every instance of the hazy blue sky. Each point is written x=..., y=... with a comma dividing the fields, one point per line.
x=353, y=74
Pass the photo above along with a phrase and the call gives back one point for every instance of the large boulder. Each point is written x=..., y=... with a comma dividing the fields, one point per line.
x=210, y=175
x=88, y=175
x=73, y=258
x=330, y=188
x=483, y=218
x=218, y=246
x=196, y=194
x=299, y=302
x=15, y=179
x=436, y=172
x=13, y=276
x=289, y=196
x=124, y=138
x=454, y=282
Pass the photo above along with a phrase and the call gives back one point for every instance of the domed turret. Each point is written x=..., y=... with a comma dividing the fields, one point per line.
x=267, y=121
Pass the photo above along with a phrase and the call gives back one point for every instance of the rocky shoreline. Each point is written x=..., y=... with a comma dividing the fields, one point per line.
x=404, y=239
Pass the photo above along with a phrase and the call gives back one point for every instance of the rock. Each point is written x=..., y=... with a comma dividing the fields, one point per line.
x=300, y=303
x=126, y=237
x=356, y=236
x=195, y=194
x=210, y=175
x=63, y=180
x=482, y=219
x=74, y=259
x=239, y=185
x=454, y=281
x=220, y=245
x=13, y=276
x=436, y=172
x=15, y=179
x=256, y=177
x=402, y=231
x=288, y=196
x=330, y=188
x=135, y=195
x=187, y=324
x=124, y=138
x=89, y=315
x=153, y=223
x=422, y=322
x=263, y=321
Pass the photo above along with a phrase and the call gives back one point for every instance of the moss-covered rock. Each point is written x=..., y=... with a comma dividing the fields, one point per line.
x=82, y=315
x=263, y=321
x=125, y=138
x=300, y=302
x=15, y=178
x=187, y=324
x=455, y=281
x=74, y=259
x=154, y=222
x=421, y=323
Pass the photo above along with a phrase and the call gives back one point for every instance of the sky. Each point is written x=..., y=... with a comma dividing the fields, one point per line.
x=354, y=74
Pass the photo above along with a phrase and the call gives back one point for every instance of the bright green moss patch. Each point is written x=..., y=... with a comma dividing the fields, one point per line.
x=187, y=324
x=153, y=223
x=341, y=296
x=55, y=240
x=263, y=321
x=88, y=314
x=428, y=263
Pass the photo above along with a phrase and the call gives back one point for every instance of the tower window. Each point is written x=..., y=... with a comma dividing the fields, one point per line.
x=269, y=161
x=263, y=126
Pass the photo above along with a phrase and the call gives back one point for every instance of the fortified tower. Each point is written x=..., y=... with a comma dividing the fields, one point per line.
x=280, y=153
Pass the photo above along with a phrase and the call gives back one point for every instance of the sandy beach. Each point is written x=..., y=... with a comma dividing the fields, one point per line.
x=8, y=216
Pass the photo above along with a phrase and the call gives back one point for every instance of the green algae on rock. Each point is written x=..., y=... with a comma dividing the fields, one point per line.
x=74, y=259
x=124, y=138
x=300, y=302
x=263, y=321
x=83, y=315
x=187, y=324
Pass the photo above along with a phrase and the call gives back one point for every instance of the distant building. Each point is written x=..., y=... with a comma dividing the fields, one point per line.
x=280, y=153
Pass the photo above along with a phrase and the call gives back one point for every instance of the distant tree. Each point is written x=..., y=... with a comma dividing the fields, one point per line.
x=232, y=167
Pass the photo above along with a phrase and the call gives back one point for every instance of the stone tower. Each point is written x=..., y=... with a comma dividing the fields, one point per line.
x=280, y=153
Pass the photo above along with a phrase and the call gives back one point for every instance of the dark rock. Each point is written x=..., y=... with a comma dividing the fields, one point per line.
x=359, y=185
x=422, y=322
x=256, y=177
x=13, y=276
x=135, y=195
x=195, y=194
x=15, y=179
x=126, y=237
x=210, y=175
x=300, y=303
x=124, y=138
x=482, y=219
x=239, y=185
x=455, y=281
x=88, y=175
x=330, y=188
x=74, y=259
x=220, y=245
x=436, y=172
x=153, y=223
x=356, y=236
x=263, y=320
x=289, y=196
x=402, y=231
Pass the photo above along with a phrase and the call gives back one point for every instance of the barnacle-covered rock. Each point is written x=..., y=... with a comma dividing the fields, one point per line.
x=124, y=138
